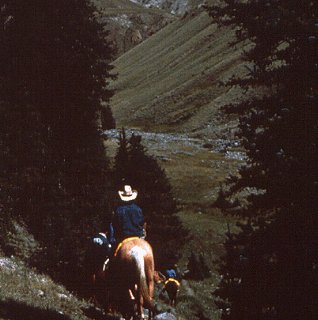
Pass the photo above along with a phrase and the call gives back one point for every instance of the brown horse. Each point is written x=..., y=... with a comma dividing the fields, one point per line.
x=132, y=277
x=172, y=287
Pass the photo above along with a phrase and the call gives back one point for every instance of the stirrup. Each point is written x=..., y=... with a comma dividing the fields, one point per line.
x=106, y=264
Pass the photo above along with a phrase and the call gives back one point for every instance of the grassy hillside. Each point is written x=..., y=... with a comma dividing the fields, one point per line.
x=171, y=81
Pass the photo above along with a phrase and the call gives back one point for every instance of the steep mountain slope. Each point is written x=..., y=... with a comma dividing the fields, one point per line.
x=129, y=23
x=171, y=81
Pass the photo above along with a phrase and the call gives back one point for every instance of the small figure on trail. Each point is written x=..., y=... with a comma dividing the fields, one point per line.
x=97, y=260
x=128, y=220
x=98, y=251
x=172, y=272
x=171, y=284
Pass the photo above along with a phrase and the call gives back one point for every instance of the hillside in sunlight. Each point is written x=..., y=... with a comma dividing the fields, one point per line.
x=172, y=81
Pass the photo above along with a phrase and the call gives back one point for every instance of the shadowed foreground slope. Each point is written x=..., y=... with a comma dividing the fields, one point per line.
x=26, y=294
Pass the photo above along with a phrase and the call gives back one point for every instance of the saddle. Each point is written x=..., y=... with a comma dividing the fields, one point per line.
x=172, y=280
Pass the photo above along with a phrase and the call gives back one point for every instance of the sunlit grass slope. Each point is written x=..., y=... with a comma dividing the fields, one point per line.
x=171, y=81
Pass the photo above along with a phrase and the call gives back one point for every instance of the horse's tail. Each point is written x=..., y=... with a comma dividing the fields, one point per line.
x=143, y=286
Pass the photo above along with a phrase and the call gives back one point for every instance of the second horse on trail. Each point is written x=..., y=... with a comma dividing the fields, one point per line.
x=131, y=278
x=170, y=285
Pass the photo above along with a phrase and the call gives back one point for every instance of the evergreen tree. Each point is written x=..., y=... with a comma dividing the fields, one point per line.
x=107, y=119
x=121, y=165
x=55, y=67
x=135, y=167
x=197, y=267
x=279, y=130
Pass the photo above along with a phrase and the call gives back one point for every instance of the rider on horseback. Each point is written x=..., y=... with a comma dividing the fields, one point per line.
x=128, y=272
x=128, y=220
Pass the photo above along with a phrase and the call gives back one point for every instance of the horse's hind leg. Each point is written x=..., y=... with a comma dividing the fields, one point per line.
x=151, y=286
x=139, y=314
x=140, y=309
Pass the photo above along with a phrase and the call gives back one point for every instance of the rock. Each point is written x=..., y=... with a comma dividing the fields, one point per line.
x=165, y=316
x=187, y=289
x=63, y=296
x=41, y=293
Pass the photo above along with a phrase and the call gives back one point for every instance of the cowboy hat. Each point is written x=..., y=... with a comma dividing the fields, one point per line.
x=128, y=194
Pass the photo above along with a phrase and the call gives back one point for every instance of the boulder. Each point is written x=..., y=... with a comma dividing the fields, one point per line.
x=165, y=316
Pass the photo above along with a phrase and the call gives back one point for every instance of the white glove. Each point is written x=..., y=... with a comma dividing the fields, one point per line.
x=98, y=241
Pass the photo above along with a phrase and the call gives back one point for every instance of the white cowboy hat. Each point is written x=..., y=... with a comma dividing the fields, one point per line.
x=128, y=194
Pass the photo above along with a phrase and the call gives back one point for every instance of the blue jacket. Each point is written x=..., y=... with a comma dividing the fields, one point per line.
x=128, y=221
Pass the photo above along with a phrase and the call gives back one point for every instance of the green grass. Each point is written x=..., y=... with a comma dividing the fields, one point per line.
x=196, y=178
x=171, y=80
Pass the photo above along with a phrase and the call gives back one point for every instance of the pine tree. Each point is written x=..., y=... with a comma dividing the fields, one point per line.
x=121, y=160
x=55, y=67
x=279, y=130
x=143, y=173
